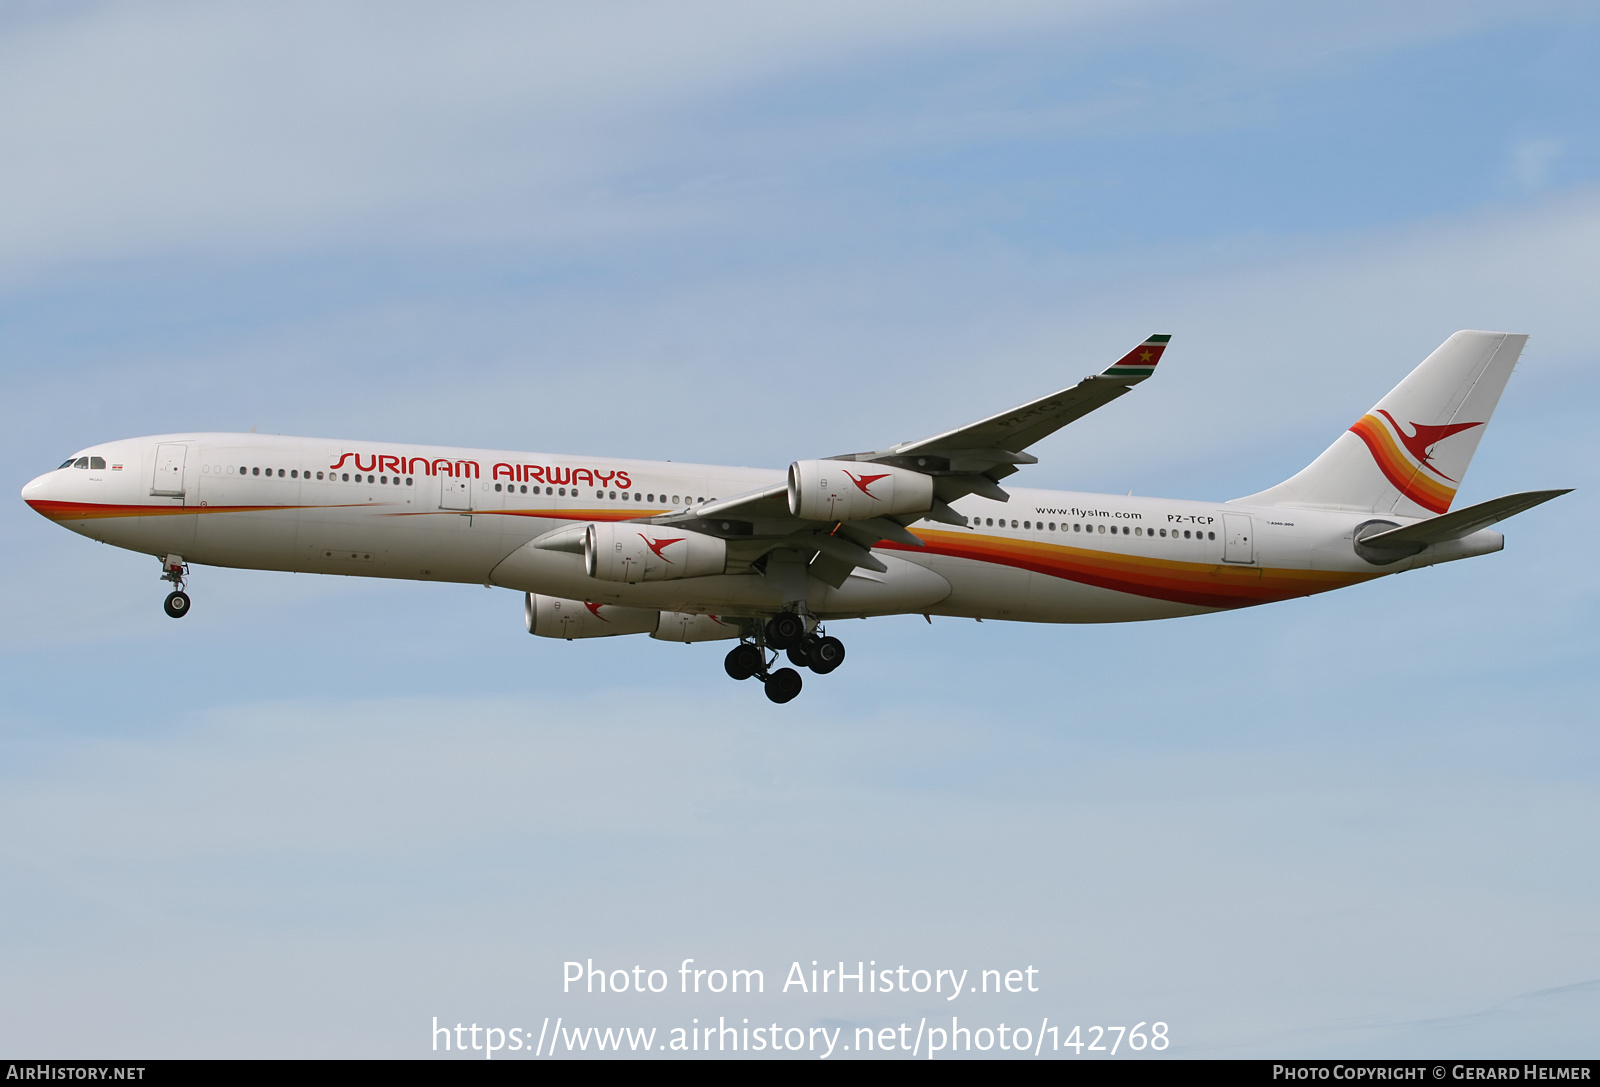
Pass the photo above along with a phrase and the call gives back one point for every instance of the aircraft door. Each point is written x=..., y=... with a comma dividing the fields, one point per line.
x=1238, y=544
x=168, y=479
x=454, y=493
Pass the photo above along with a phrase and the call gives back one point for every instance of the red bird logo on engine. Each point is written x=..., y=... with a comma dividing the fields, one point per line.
x=657, y=545
x=862, y=482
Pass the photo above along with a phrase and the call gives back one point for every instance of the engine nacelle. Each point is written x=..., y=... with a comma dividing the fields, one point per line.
x=683, y=626
x=553, y=617
x=833, y=490
x=634, y=552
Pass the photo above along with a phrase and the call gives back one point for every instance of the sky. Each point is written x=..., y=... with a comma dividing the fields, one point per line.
x=322, y=814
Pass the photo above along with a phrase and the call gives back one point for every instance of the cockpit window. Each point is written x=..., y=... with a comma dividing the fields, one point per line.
x=65, y=464
x=81, y=462
x=97, y=462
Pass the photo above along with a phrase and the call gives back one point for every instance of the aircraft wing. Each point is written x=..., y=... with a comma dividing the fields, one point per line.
x=1001, y=439
x=967, y=460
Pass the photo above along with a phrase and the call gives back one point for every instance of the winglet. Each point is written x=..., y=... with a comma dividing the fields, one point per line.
x=1139, y=363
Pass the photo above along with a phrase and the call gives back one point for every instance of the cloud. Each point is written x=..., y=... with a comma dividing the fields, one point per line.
x=170, y=127
x=1532, y=160
x=285, y=856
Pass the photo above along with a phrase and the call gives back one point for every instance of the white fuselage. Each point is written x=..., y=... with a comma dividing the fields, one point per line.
x=468, y=515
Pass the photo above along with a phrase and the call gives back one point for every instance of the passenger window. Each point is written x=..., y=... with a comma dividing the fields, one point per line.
x=255, y=471
x=497, y=486
x=97, y=462
x=408, y=481
x=369, y=479
x=1102, y=528
x=319, y=475
x=1052, y=526
x=1211, y=535
x=1027, y=524
x=650, y=498
x=990, y=521
x=635, y=496
x=563, y=492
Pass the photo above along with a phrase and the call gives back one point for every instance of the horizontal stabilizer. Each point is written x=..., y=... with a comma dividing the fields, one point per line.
x=1454, y=526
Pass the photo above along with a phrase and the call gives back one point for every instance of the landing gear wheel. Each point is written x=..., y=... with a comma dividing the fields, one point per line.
x=800, y=655
x=785, y=630
x=177, y=604
x=783, y=685
x=743, y=661
x=826, y=654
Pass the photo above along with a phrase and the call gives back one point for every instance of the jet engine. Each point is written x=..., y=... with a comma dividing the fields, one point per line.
x=635, y=552
x=683, y=626
x=832, y=490
x=553, y=617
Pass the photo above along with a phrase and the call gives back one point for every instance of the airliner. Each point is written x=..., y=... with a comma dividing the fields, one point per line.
x=603, y=546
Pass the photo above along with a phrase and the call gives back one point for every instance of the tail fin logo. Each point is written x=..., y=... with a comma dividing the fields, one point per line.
x=1403, y=457
x=657, y=545
x=863, y=482
x=1420, y=443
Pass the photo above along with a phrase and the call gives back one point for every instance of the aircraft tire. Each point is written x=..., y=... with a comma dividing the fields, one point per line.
x=785, y=630
x=177, y=604
x=826, y=655
x=800, y=655
x=743, y=661
x=783, y=685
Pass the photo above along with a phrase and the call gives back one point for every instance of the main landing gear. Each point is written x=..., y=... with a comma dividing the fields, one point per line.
x=785, y=632
x=175, y=570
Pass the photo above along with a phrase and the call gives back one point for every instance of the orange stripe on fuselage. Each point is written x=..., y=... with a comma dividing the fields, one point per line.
x=1204, y=584
x=1398, y=468
x=90, y=511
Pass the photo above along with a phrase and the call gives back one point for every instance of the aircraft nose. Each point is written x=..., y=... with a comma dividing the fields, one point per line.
x=38, y=489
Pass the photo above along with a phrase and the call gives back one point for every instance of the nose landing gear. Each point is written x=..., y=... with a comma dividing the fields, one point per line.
x=787, y=632
x=175, y=570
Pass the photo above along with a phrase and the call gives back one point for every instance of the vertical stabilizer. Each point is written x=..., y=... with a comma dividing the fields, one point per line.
x=1408, y=454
